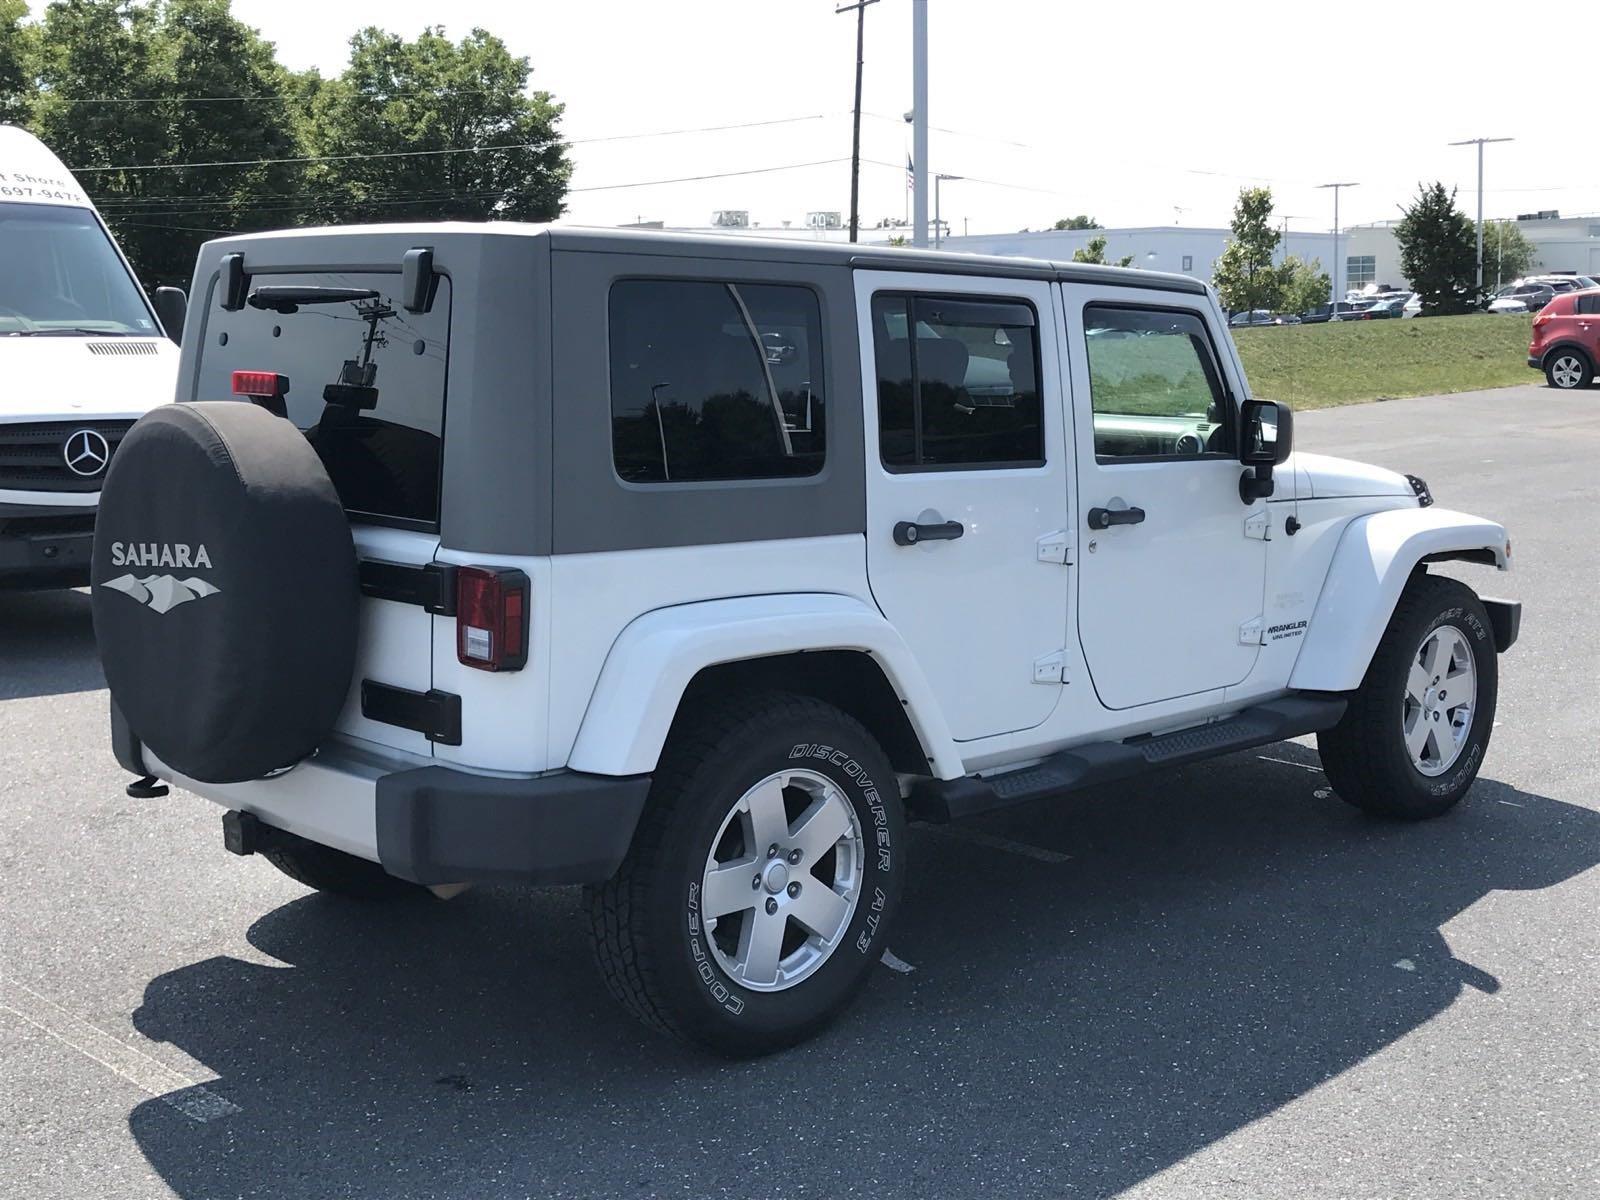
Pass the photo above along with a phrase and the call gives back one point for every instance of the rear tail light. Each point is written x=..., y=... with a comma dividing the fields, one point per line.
x=492, y=618
x=264, y=384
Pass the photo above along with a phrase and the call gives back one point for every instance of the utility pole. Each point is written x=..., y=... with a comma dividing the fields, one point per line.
x=919, y=121
x=938, y=226
x=1333, y=287
x=860, y=9
x=1480, y=143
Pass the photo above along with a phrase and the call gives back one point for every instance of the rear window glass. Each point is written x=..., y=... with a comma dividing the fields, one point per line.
x=366, y=380
x=715, y=381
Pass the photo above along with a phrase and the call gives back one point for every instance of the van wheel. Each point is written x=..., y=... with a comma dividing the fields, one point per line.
x=762, y=879
x=1568, y=370
x=1415, y=733
x=334, y=871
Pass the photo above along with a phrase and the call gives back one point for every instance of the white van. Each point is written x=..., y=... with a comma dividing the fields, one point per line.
x=82, y=356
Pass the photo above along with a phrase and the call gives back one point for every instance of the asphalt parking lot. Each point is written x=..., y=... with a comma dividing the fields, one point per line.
x=1219, y=983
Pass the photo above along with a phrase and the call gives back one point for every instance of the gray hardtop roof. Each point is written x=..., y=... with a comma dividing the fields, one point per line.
x=755, y=249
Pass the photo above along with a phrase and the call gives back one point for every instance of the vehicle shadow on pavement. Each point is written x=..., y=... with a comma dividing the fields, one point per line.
x=47, y=644
x=1217, y=943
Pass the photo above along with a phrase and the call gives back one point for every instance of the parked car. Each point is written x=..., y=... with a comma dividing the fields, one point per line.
x=1261, y=316
x=1324, y=312
x=1566, y=339
x=1379, y=308
x=82, y=354
x=643, y=608
x=1521, y=298
x=1413, y=306
x=1356, y=309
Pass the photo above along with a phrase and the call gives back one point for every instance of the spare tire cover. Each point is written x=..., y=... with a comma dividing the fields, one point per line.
x=224, y=590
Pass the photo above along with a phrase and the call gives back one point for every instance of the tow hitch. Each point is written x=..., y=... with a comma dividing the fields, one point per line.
x=147, y=787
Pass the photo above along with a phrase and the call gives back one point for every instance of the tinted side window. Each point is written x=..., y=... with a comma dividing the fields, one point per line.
x=1588, y=305
x=958, y=382
x=366, y=380
x=715, y=381
x=1154, y=384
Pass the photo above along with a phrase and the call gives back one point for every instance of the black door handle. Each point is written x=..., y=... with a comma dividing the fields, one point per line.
x=1105, y=518
x=909, y=533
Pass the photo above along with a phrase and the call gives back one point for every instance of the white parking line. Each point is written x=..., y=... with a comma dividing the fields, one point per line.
x=192, y=1099
x=1286, y=762
x=994, y=842
x=895, y=963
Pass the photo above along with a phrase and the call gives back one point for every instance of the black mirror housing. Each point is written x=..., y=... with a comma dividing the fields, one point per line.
x=172, y=307
x=1256, y=448
x=1258, y=451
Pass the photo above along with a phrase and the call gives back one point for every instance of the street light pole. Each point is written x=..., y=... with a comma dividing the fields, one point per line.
x=1333, y=286
x=860, y=9
x=938, y=228
x=1480, y=143
x=919, y=122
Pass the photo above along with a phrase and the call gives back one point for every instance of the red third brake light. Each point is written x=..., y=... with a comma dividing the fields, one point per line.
x=491, y=618
x=268, y=384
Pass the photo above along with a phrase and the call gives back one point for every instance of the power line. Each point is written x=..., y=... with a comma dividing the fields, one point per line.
x=555, y=142
x=248, y=207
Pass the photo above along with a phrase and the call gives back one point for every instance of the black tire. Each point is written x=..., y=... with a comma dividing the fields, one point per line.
x=334, y=871
x=1558, y=365
x=650, y=943
x=1365, y=754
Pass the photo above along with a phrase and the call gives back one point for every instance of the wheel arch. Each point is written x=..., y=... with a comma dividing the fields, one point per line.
x=1375, y=557
x=1578, y=347
x=836, y=648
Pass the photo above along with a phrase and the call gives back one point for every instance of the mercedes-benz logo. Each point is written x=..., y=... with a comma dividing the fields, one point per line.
x=86, y=453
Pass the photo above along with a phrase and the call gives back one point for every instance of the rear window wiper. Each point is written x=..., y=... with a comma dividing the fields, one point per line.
x=289, y=299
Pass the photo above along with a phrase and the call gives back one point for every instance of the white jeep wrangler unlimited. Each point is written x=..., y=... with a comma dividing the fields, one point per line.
x=687, y=568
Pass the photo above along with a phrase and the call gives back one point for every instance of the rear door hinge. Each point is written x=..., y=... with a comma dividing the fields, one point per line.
x=1257, y=525
x=1054, y=548
x=1250, y=632
x=1052, y=668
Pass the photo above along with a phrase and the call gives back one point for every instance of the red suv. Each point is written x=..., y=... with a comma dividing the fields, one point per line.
x=1566, y=339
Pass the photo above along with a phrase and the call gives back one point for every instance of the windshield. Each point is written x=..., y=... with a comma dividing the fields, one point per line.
x=63, y=276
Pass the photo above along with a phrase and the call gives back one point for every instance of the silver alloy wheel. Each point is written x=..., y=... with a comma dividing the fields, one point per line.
x=1441, y=696
x=1566, y=371
x=778, y=893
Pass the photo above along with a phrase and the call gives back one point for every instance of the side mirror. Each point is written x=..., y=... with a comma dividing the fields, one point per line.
x=1266, y=438
x=172, y=306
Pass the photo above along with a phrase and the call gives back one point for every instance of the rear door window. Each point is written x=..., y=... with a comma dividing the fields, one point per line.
x=366, y=381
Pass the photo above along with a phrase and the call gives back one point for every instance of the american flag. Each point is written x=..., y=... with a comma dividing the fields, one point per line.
x=911, y=174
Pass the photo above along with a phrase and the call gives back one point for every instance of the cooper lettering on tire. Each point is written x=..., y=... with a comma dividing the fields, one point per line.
x=762, y=879
x=223, y=586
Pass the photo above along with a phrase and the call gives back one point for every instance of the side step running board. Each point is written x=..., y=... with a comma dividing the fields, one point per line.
x=1105, y=762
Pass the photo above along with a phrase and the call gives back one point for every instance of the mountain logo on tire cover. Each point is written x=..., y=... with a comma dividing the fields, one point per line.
x=163, y=593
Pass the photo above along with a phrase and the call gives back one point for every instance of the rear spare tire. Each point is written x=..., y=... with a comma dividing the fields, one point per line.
x=224, y=590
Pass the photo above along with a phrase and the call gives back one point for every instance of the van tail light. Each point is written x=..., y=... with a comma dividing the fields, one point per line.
x=492, y=618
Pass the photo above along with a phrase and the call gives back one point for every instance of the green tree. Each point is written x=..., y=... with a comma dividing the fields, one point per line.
x=1095, y=252
x=1507, y=254
x=1438, y=251
x=1081, y=221
x=1304, y=284
x=18, y=66
x=1244, y=276
x=399, y=97
x=129, y=86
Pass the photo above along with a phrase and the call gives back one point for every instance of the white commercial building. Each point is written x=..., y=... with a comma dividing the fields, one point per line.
x=1371, y=253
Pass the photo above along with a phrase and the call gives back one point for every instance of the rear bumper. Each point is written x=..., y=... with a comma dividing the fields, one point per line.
x=43, y=547
x=1535, y=362
x=433, y=824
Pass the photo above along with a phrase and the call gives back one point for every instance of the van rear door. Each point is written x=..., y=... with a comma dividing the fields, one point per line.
x=336, y=352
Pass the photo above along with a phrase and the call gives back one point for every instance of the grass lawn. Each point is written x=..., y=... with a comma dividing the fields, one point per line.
x=1348, y=362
